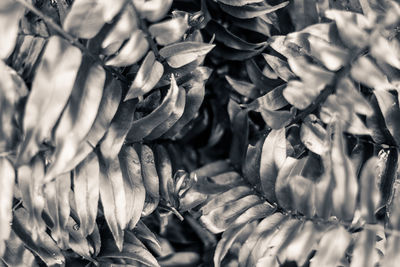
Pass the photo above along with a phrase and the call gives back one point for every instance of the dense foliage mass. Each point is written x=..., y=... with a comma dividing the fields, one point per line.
x=199, y=133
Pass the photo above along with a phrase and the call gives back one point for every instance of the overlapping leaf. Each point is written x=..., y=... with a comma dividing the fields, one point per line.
x=60, y=62
x=10, y=14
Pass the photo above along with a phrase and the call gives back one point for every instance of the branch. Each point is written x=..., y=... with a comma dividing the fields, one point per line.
x=73, y=40
x=329, y=89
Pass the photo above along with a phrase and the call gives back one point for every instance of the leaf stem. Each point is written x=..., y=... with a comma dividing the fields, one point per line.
x=329, y=89
x=143, y=27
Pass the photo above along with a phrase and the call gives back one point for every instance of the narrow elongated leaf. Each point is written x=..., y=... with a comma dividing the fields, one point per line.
x=150, y=72
x=150, y=178
x=244, y=88
x=120, y=125
x=164, y=170
x=301, y=246
x=279, y=44
x=258, y=78
x=303, y=13
x=87, y=17
x=213, y=169
x=331, y=248
x=13, y=89
x=219, y=219
x=182, y=53
x=77, y=241
x=226, y=37
x=364, y=249
x=276, y=119
x=132, y=174
x=353, y=97
x=273, y=100
x=142, y=232
x=351, y=27
x=227, y=240
x=251, y=10
x=235, y=54
x=280, y=67
x=310, y=74
x=252, y=163
x=153, y=10
x=133, y=250
x=30, y=181
x=390, y=109
x=386, y=50
x=391, y=255
x=272, y=158
x=263, y=230
x=10, y=14
x=79, y=115
x=17, y=254
x=57, y=199
x=143, y=127
x=332, y=108
x=173, y=117
x=48, y=96
x=45, y=248
x=269, y=250
x=313, y=135
x=302, y=190
x=86, y=192
x=291, y=167
x=224, y=198
x=323, y=190
x=121, y=31
x=107, y=109
x=240, y=126
x=181, y=259
x=218, y=183
x=194, y=99
x=331, y=56
x=299, y=94
x=239, y=2
x=366, y=72
x=7, y=182
x=95, y=241
x=132, y=51
x=26, y=55
x=256, y=212
x=112, y=197
x=345, y=191
x=369, y=192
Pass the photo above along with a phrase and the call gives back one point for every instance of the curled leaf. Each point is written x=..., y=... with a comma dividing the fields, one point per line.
x=143, y=127
x=180, y=54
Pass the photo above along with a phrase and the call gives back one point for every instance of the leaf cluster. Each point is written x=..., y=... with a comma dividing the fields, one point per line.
x=166, y=133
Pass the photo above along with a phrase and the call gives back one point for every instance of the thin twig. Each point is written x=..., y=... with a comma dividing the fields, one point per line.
x=73, y=40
